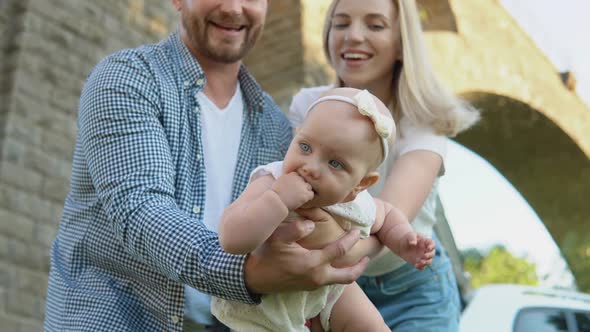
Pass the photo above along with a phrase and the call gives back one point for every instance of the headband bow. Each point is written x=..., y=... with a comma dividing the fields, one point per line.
x=367, y=107
x=363, y=101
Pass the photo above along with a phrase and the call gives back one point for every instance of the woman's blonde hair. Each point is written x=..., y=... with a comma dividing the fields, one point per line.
x=420, y=96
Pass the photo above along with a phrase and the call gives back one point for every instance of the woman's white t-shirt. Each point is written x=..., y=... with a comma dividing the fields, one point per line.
x=409, y=138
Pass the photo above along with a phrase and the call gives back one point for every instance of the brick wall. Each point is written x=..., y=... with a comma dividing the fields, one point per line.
x=289, y=54
x=47, y=48
x=11, y=13
x=277, y=59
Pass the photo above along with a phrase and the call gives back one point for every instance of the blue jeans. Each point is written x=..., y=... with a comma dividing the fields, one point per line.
x=412, y=300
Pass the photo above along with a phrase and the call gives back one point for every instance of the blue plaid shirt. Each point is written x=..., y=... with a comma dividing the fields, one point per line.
x=131, y=233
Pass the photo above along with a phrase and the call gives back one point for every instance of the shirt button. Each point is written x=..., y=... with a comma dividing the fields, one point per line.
x=187, y=83
x=200, y=82
x=175, y=319
x=196, y=209
x=199, y=156
x=197, y=110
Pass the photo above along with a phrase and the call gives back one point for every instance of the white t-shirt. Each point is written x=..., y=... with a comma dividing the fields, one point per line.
x=409, y=138
x=220, y=136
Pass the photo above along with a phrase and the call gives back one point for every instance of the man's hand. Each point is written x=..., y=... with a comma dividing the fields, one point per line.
x=281, y=264
x=293, y=190
x=327, y=230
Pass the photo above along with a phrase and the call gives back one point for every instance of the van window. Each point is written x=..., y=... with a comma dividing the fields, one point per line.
x=583, y=320
x=541, y=320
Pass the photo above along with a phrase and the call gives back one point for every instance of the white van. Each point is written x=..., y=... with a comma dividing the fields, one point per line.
x=515, y=308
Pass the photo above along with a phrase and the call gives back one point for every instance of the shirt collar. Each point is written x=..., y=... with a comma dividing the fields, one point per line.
x=191, y=74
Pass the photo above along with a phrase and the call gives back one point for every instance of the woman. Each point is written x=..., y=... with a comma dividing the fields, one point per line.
x=377, y=45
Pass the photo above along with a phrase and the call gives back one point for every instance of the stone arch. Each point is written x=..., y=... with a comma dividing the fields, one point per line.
x=543, y=163
x=490, y=52
x=47, y=47
x=437, y=15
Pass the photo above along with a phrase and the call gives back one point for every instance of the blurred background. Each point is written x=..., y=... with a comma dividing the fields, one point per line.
x=516, y=184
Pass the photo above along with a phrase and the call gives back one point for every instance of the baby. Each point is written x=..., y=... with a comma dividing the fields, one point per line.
x=330, y=163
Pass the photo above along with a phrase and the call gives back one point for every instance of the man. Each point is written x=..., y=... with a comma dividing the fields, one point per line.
x=163, y=130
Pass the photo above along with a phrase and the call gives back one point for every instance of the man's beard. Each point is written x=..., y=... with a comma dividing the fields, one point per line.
x=197, y=32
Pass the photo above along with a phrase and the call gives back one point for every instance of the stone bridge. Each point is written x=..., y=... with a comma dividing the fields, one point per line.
x=534, y=129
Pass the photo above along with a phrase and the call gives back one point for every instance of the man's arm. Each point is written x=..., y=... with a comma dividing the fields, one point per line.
x=328, y=230
x=131, y=167
x=281, y=264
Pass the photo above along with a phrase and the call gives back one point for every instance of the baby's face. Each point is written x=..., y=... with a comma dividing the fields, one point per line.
x=333, y=150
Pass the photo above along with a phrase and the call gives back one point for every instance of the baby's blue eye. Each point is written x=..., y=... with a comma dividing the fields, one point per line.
x=305, y=147
x=335, y=164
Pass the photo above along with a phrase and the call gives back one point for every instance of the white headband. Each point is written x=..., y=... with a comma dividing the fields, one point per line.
x=363, y=101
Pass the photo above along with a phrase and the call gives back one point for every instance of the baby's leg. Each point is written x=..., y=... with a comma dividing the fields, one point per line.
x=354, y=312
